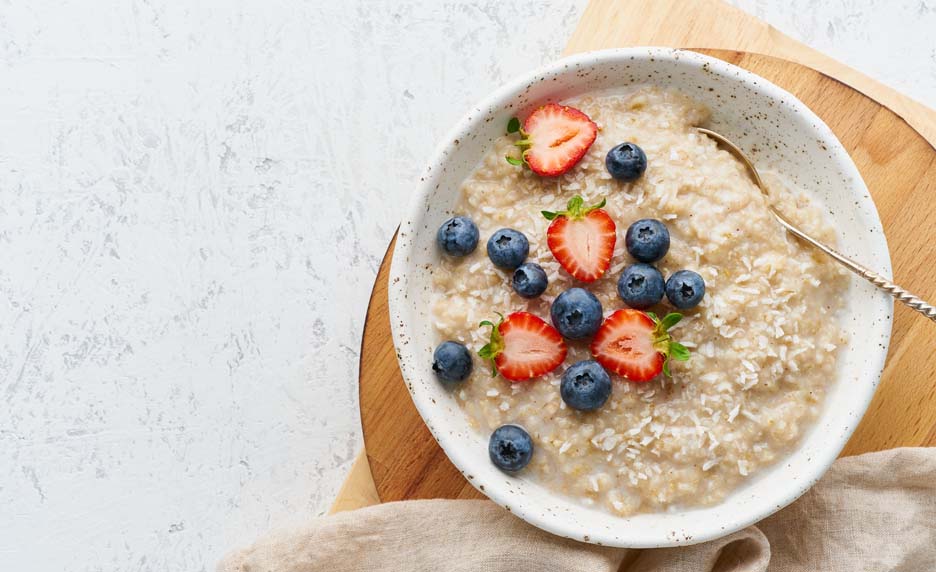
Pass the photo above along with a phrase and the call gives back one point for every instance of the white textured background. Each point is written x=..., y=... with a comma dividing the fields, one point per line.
x=194, y=200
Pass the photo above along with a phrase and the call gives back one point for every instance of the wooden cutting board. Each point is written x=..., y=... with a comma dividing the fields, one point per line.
x=898, y=164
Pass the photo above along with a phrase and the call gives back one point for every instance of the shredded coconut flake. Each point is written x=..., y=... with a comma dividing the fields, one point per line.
x=734, y=413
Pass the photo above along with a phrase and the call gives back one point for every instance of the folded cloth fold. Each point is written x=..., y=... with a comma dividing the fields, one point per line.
x=871, y=512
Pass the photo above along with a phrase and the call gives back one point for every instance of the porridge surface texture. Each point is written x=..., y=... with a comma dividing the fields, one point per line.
x=763, y=340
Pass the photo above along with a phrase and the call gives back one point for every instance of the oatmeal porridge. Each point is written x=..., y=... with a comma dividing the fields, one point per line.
x=763, y=340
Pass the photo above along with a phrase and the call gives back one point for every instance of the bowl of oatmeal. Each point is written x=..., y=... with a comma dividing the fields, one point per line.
x=784, y=349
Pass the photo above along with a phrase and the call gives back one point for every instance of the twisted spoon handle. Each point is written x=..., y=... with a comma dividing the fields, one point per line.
x=882, y=283
x=873, y=277
x=899, y=293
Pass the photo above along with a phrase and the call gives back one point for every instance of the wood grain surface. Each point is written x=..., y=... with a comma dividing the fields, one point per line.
x=898, y=165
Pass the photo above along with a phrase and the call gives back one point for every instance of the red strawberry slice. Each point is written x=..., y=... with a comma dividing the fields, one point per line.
x=637, y=345
x=555, y=138
x=582, y=239
x=523, y=346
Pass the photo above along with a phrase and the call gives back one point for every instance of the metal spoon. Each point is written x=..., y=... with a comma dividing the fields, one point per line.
x=872, y=277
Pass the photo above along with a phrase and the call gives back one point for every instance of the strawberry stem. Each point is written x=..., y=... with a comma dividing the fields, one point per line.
x=513, y=126
x=575, y=209
x=495, y=346
x=664, y=343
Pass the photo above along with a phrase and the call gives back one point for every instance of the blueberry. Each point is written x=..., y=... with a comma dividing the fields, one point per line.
x=586, y=386
x=626, y=162
x=508, y=248
x=647, y=240
x=685, y=289
x=510, y=448
x=451, y=362
x=576, y=313
x=529, y=280
x=640, y=286
x=458, y=236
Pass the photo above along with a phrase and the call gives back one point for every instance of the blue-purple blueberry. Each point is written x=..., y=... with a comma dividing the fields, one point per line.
x=510, y=448
x=626, y=162
x=685, y=289
x=508, y=248
x=640, y=286
x=529, y=280
x=647, y=240
x=458, y=236
x=585, y=386
x=451, y=362
x=576, y=313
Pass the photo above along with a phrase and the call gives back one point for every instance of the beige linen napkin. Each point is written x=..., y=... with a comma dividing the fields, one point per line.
x=871, y=512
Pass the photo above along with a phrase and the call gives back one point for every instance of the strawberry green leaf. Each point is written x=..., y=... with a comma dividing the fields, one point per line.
x=679, y=352
x=549, y=215
x=513, y=125
x=670, y=320
x=664, y=343
x=514, y=161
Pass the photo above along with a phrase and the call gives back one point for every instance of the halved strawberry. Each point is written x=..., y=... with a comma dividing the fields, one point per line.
x=523, y=346
x=582, y=239
x=555, y=138
x=637, y=345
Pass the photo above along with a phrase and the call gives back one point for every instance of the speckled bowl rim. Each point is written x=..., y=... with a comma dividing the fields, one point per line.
x=627, y=535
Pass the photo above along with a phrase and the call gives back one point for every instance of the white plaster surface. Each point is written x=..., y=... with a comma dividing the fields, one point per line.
x=893, y=41
x=194, y=201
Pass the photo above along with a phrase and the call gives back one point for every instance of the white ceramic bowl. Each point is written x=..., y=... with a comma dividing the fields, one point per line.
x=751, y=111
